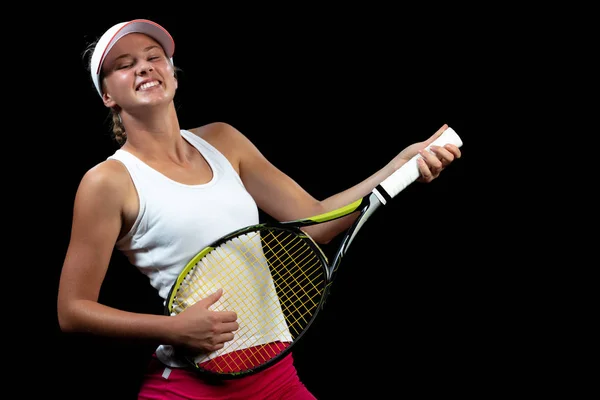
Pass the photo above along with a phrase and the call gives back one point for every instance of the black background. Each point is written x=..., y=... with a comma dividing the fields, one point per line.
x=329, y=98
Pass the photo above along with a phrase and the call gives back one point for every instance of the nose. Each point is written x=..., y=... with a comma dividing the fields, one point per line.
x=144, y=67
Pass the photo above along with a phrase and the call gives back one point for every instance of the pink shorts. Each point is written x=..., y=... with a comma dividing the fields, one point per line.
x=277, y=382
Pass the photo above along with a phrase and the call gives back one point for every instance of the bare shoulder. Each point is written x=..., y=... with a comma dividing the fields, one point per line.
x=217, y=131
x=225, y=138
x=107, y=179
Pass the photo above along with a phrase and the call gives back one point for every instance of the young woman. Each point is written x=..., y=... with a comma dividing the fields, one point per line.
x=165, y=192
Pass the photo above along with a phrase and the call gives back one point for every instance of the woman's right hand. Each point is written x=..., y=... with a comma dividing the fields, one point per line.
x=202, y=329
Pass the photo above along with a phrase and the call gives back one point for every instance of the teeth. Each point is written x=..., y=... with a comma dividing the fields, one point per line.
x=148, y=85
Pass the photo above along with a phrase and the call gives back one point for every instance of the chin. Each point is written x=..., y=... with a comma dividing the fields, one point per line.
x=155, y=98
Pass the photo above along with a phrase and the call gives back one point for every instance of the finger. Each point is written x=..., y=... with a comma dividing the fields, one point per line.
x=211, y=298
x=228, y=327
x=437, y=134
x=216, y=341
x=443, y=154
x=432, y=160
x=224, y=337
x=426, y=175
x=454, y=150
x=227, y=316
x=213, y=347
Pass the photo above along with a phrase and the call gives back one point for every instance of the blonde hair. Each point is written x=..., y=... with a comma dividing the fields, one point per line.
x=118, y=129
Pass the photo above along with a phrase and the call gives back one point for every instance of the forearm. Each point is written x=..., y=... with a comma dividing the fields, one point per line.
x=359, y=190
x=91, y=317
x=324, y=233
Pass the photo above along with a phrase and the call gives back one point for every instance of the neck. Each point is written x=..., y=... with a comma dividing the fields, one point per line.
x=155, y=135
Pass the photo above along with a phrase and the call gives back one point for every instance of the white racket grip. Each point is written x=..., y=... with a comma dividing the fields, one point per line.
x=409, y=172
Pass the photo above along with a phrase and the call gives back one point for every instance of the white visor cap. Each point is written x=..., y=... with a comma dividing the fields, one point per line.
x=111, y=36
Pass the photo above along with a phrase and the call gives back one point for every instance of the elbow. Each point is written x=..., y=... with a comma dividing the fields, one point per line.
x=65, y=328
x=66, y=318
x=318, y=235
x=324, y=233
x=64, y=322
x=324, y=239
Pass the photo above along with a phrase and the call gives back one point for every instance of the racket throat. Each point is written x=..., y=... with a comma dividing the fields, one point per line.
x=350, y=235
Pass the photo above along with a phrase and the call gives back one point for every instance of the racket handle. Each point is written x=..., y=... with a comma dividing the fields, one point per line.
x=409, y=172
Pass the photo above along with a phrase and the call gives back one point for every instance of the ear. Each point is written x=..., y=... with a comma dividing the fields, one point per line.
x=108, y=101
x=175, y=75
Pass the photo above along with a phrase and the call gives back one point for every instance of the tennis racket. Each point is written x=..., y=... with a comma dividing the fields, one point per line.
x=276, y=278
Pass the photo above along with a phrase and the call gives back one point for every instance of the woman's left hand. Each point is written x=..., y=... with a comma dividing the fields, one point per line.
x=431, y=163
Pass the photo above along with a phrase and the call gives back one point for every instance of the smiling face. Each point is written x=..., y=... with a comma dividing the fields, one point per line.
x=136, y=72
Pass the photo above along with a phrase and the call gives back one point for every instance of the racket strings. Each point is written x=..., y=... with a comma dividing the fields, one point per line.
x=297, y=273
x=304, y=260
x=295, y=269
x=272, y=279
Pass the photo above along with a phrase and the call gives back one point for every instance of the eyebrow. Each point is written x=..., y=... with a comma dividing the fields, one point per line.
x=152, y=46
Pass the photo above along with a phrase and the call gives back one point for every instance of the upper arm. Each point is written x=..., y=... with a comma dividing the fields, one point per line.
x=275, y=193
x=96, y=224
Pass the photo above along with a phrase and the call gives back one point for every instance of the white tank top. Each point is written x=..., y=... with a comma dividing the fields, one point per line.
x=175, y=220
